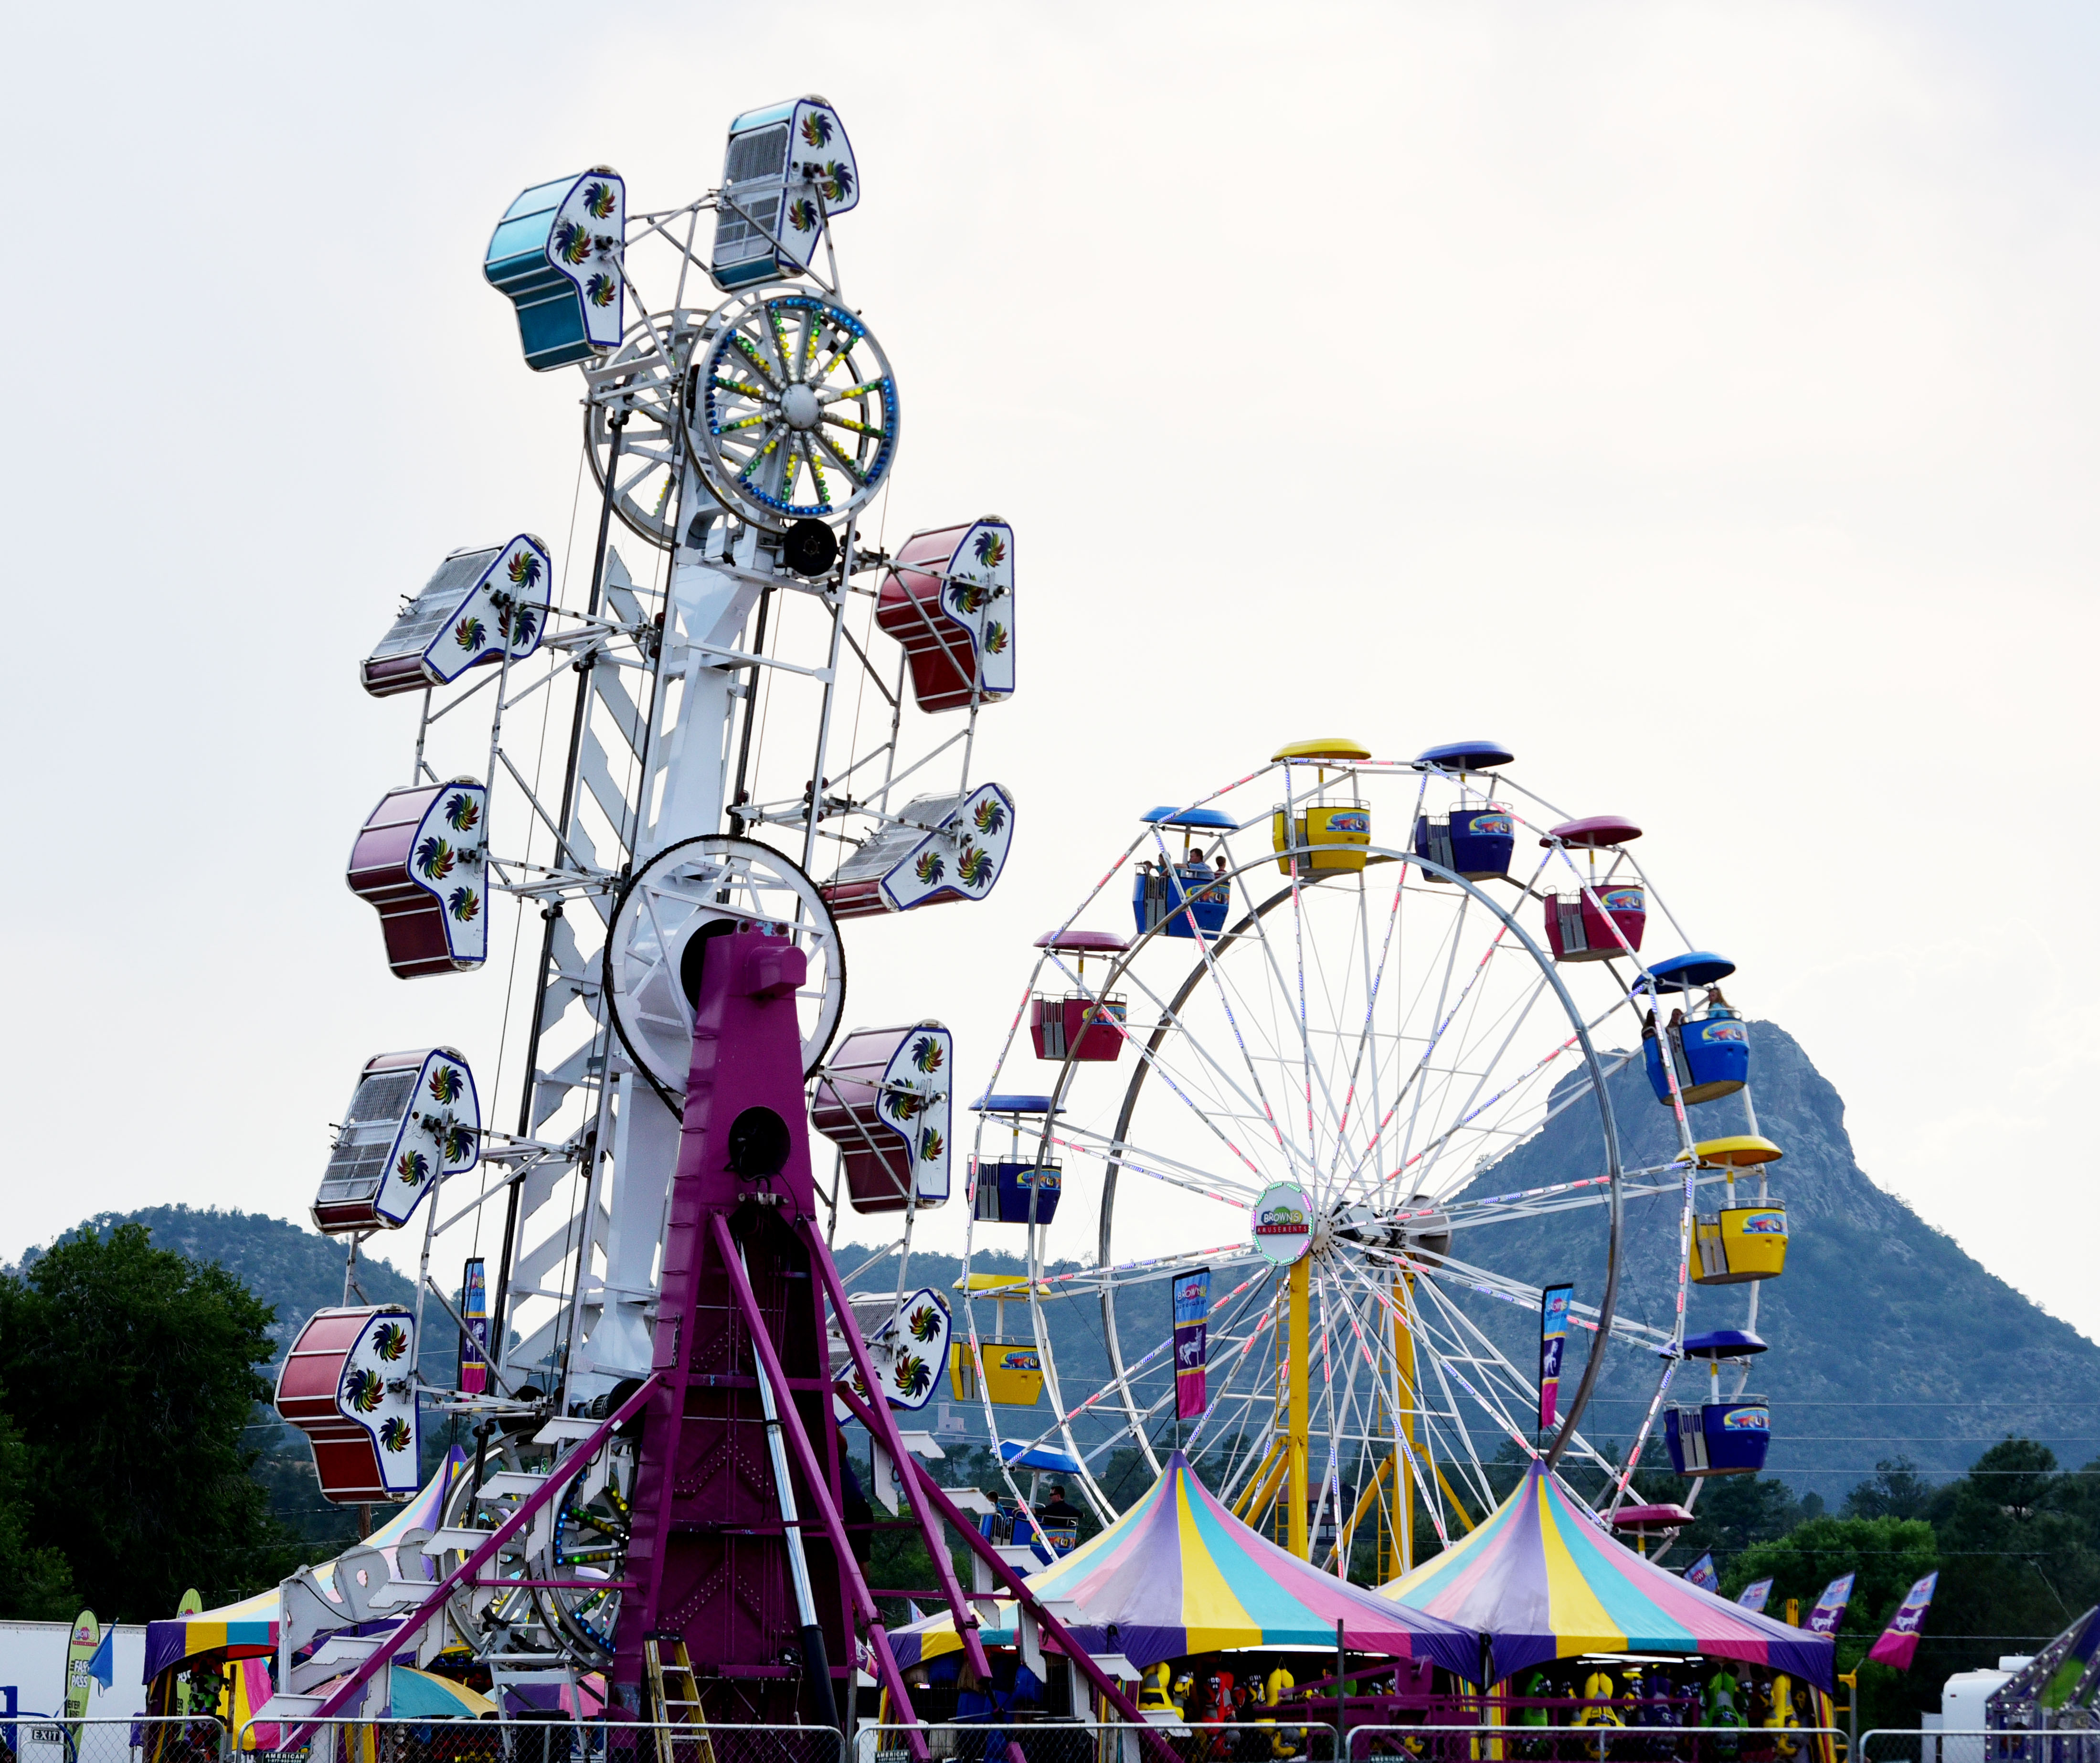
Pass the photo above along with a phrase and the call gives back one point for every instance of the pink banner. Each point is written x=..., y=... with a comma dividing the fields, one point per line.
x=1897, y=1645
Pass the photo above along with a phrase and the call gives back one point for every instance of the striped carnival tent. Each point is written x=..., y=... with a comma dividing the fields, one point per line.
x=1178, y=1574
x=1542, y=1580
x=242, y=1636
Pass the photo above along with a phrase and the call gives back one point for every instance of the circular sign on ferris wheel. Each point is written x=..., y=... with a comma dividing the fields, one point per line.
x=1282, y=1222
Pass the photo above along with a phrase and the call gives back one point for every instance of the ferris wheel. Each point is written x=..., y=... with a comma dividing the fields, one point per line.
x=1340, y=999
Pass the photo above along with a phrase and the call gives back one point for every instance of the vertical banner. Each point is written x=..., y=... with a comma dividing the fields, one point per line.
x=192, y=1602
x=474, y=1345
x=1754, y=1595
x=1897, y=1645
x=1702, y=1574
x=1830, y=1608
x=1552, y=1340
x=80, y=1649
x=1192, y=1338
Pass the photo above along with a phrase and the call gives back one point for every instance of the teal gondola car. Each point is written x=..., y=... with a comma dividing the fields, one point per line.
x=787, y=170
x=557, y=253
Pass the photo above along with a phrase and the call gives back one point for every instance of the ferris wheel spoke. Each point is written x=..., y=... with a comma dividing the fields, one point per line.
x=1208, y=959
x=1304, y=1050
x=1367, y=1037
x=1463, y=1275
x=1159, y=1167
x=1520, y=1386
x=1473, y=1108
x=1149, y=1056
x=1481, y=1388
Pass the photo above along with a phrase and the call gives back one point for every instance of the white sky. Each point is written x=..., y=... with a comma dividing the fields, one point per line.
x=1698, y=399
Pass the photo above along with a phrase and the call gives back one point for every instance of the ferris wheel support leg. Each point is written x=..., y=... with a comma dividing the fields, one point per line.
x=1297, y=1485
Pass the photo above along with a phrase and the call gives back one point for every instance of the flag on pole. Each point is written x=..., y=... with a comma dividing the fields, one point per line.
x=1897, y=1645
x=474, y=1345
x=1702, y=1574
x=1552, y=1341
x=1192, y=1332
x=1830, y=1608
x=103, y=1666
x=1753, y=1596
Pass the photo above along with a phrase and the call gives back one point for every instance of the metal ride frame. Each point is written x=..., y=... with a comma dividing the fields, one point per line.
x=701, y=427
x=1242, y=1078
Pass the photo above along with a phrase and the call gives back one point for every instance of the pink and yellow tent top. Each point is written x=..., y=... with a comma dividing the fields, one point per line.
x=1543, y=1580
x=1178, y=1574
x=249, y=1630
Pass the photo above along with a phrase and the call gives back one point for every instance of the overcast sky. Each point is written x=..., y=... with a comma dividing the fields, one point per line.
x=1697, y=399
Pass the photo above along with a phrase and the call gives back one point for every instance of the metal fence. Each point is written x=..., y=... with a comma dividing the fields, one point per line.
x=1599, y=1743
x=1971, y=1745
x=1071, y=1741
x=124, y=1738
x=534, y=1740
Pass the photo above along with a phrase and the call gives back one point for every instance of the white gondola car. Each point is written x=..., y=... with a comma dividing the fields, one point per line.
x=883, y=1099
x=480, y=602
x=908, y=1351
x=556, y=254
x=907, y=865
x=413, y=1120
x=788, y=168
x=949, y=599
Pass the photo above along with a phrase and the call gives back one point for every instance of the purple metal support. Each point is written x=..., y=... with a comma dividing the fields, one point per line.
x=563, y=1472
x=805, y=1456
x=922, y=1484
x=707, y=1548
x=891, y=1438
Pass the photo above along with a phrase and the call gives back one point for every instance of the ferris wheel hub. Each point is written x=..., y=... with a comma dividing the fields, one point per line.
x=799, y=406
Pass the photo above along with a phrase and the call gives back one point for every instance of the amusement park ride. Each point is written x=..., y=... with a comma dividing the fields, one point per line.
x=1320, y=1041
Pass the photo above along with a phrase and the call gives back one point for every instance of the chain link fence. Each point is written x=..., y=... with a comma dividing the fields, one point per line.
x=530, y=1739
x=1061, y=1741
x=124, y=1738
x=1599, y=1743
x=1970, y=1745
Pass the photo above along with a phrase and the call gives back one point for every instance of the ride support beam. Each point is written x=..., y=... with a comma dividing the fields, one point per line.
x=1365, y=1501
x=820, y=1493
x=886, y=1432
x=1298, y=1485
x=922, y=1487
x=1258, y=1488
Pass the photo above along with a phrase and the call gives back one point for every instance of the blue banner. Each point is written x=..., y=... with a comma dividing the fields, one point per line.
x=1553, y=1305
x=1192, y=1343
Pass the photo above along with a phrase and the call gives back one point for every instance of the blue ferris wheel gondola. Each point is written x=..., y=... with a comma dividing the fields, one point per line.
x=1169, y=894
x=556, y=254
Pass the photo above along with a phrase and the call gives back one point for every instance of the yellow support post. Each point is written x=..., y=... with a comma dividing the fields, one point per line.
x=1403, y=1354
x=1364, y=1503
x=1265, y=1494
x=1299, y=1429
x=1244, y=1506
